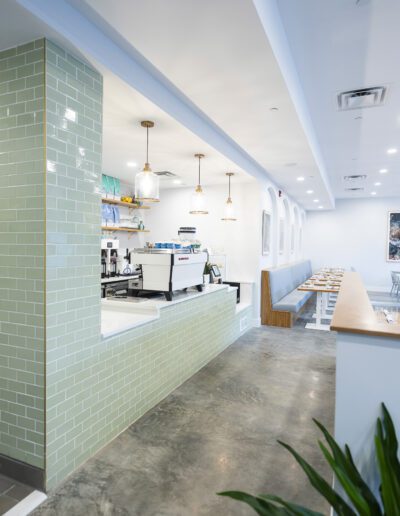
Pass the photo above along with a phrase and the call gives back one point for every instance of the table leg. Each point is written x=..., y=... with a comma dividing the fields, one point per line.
x=324, y=304
x=319, y=314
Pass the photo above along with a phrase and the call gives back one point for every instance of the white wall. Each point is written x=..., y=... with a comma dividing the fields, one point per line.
x=240, y=241
x=353, y=235
x=237, y=239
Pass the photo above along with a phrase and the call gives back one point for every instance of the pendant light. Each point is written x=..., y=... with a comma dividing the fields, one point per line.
x=147, y=184
x=229, y=209
x=198, y=198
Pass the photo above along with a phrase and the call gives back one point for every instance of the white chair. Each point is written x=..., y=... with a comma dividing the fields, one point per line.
x=395, y=283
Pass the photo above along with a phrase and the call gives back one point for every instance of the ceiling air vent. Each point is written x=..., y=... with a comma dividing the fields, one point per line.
x=354, y=178
x=165, y=173
x=363, y=98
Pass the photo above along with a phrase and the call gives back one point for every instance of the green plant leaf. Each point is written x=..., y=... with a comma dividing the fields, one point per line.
x=262, y=507
x=391, y=439
x=346, y=463
x=321, y=485
x=351, y=490
x=297, y=510
x=390, y=486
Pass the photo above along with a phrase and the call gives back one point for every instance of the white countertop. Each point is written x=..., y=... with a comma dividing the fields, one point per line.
x=119, y=315
x=119, y=278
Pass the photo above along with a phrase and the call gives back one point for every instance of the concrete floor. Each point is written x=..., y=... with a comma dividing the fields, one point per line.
x=216, y=432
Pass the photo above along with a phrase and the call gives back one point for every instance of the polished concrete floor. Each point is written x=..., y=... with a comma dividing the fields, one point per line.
x=218, y=431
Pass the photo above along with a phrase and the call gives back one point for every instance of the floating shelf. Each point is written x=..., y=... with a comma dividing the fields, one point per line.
x=123, y=203
x=127, y=230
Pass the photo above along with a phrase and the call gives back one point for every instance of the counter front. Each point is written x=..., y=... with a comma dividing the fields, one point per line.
x=367, y=371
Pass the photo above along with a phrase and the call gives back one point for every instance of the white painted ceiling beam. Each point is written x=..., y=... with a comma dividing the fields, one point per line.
x=270, y=18
x=127, y=63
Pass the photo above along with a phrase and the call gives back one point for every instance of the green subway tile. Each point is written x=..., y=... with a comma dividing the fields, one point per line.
x=8, y=75
x=4, y=54
x=7, y=99
x=25, y=71
x=34, y=81
x=26, y=48
x=24, y=354
x=35, y=56
x=17, y=61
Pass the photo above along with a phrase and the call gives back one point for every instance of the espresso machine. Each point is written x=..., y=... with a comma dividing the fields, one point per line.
x=109, y=257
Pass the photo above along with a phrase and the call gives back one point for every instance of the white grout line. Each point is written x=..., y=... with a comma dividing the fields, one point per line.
x=27, y=505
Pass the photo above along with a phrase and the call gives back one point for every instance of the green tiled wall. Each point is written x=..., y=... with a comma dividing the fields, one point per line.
x=22, y=253
x=73, y=143
x=124, y=376
x=50, y=272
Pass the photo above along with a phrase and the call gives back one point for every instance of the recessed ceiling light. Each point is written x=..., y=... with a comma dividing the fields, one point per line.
x=131, y=164
x=310, y=192
x=300, y=178
x=316, y=200
x=392, y=150
x=383, y=170
x=320, y=207
x=177, y=182
x=377, y=183
x=373, y=193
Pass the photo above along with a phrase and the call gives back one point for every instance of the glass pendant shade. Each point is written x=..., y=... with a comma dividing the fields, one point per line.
x=198, y=204
x=147, y=184
x=229, y=208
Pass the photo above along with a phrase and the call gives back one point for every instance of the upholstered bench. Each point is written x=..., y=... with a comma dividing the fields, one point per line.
x=281, y=302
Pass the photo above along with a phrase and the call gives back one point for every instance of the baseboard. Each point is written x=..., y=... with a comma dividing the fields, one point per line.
x=27, y=505
x=24, y=473
x=256, y=322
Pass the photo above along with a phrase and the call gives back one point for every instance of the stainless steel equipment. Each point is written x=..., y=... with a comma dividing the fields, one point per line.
x=167, y=270
x=109, y=257
x=115, y=289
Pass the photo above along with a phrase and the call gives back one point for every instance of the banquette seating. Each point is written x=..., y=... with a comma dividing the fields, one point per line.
x=281, y=302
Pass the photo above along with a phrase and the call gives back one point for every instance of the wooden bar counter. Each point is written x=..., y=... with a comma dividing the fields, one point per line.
x=354, y=312
x=367, y=370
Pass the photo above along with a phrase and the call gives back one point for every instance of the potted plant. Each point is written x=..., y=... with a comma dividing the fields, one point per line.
x=360, y=498
x=207, y=273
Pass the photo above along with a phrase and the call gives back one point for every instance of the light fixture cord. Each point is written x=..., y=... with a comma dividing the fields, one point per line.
x=199, y=169
x=229, y=195
x=147, y=145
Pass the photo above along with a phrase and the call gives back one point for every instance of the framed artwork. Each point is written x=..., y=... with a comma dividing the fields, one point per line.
x=266, y=233
x=393, y=240
x=281, y=236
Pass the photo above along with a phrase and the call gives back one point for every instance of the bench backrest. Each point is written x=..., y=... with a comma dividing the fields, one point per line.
x=283, y=280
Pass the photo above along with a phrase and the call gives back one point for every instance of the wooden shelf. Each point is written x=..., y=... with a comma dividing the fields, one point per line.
x=127, y=230
x=123, y=203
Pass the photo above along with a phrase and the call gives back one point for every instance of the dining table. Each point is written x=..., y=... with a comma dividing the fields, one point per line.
x=326, y=284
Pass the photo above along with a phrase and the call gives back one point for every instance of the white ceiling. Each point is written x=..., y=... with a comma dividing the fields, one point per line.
x=217, y=54
x=172, y=146
x=342, y=45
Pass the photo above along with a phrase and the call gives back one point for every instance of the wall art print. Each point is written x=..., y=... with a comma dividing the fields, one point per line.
x=393, y=245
